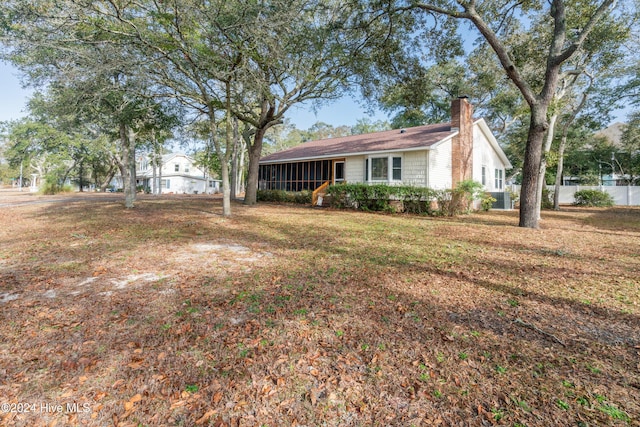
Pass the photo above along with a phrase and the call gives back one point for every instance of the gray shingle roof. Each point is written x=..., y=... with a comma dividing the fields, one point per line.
x=391, y=140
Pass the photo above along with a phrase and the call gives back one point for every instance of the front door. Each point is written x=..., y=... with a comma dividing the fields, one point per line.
x=338, y=172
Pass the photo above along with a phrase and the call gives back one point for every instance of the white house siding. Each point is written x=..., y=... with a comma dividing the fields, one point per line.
x=188, y=185
x=184, y=185
x=414, y=168
x=183, y=164
x=485, y=155
x=439, y=166
x=354, y=169
x=189, y=179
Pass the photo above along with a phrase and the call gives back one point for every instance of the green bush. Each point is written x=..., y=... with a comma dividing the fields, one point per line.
x=408, y=199
x=594, y=198
x=513, y=195
x=487, y=201
x=459, y=200
x=418, y=200
x=471, y=188
x=271, y=196
x=51, y=186
x=302, y=197
x=361, y=196
x=281, y=196
x=547, y=198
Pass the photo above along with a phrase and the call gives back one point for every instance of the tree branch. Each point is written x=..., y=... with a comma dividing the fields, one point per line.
x=520, y=322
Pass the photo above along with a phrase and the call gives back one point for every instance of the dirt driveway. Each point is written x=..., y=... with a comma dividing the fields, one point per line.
x=13, y=197
x=10, y=197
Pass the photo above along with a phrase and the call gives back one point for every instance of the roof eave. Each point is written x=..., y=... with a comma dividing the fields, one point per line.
x=360, y=153
x=493, y=142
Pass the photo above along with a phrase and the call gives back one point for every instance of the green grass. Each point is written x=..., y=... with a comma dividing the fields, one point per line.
x=614, y=412
x=191, y=388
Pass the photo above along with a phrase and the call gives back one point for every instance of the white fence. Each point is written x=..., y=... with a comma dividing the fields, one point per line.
x=622, y=196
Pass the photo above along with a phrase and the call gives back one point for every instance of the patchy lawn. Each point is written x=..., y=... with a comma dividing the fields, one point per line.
x=170, y=314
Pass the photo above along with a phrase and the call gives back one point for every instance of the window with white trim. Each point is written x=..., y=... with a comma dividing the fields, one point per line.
x=484, y=175
x=396, y=173
x=176, y=167
x=338, y=171
x=388, y=168
x=165, y=183
x=379, y=169
x=498, y=183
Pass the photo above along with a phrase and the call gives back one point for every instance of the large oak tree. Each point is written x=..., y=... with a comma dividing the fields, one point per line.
x=563, y=27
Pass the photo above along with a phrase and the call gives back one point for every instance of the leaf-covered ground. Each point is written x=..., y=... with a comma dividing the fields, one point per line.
x=170, y=314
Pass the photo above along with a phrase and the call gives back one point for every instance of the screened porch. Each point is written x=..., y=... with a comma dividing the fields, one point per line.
x=298, y=176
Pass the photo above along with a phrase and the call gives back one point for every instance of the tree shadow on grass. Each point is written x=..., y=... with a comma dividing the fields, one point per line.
x=346, y=316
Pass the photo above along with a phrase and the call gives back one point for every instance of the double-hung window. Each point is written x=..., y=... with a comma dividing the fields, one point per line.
x=388, y=168
x=379, y=169
x=396, y=173
x=498, y=183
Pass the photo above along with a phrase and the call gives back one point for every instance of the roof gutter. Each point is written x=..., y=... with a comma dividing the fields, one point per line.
x=361, y=153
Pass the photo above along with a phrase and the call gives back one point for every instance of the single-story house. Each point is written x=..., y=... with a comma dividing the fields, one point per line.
x=179, y=174
x=436, y=156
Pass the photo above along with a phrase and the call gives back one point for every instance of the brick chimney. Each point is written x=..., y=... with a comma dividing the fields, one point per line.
x=462, y=143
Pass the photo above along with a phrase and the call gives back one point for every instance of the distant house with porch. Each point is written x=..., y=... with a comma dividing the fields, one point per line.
x=178, y=174
x=437, y=156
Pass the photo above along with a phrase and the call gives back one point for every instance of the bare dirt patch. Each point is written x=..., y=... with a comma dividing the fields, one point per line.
x=170, y=314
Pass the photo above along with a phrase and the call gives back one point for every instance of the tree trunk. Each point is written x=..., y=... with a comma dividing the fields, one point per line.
x=132, y=194
x=531, y=167
x=223, y=155
x=154, y=176
x=159, y=181
x=80, y=174
x=250, y=197
x=556, y=194
x=240, y=170
x=234, y=160
x=543, y=161
x=66, y=173
x=226, y=189
x=128, y=166
x=123, y=173
x=108, y=178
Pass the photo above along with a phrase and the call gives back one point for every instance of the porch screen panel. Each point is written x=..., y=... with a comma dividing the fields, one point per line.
x=295, y=176
x=288, y=177
x=305, y=175
x=280, y=177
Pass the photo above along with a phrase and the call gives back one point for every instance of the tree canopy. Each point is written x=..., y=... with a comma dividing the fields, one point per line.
x=239, y=67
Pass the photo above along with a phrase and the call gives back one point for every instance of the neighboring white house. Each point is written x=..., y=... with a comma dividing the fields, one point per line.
x=436, y=156
x=178, y=175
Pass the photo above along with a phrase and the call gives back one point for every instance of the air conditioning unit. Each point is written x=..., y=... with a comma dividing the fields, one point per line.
x=503, y=200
